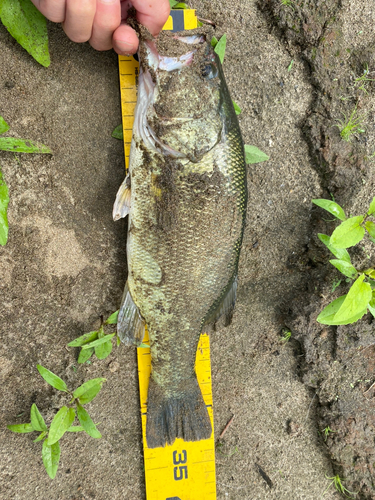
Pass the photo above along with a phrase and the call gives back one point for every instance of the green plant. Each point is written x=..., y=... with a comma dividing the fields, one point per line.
x=326, y=432
x=63, y=420
x=351, y=307
x=337, y=482
x=96, y=341
x=19, y=146
x=287, y=3
x=350, y=126
x=286, y=336
x=363, y=80
x=28, y=26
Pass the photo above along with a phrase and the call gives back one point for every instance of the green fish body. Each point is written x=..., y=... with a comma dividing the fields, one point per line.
x=186, y=198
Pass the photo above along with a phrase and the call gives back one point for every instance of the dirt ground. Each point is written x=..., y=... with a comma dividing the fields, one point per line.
x=65, y=263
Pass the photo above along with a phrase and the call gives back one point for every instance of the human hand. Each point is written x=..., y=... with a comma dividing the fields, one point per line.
x=102, y=22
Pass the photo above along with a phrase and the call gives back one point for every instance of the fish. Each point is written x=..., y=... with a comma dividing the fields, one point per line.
x=185, y=196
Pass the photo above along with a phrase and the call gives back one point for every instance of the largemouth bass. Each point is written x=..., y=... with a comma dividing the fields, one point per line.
x=186, y=197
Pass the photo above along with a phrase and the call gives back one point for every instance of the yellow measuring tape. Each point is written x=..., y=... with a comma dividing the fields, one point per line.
x=184, y=470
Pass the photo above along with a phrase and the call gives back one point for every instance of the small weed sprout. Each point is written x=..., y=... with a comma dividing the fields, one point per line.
x=337, y=482
x=286, y=336
x=287, y=3
x=335, y=284
x=363, y=80
x=350, y=126
x=360, y=298
x=326, y=432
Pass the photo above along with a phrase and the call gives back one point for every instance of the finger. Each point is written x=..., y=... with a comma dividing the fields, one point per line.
x=153, y=13
x=79, y=18
x=54, y=10
x=107, y=19
x=125, y=40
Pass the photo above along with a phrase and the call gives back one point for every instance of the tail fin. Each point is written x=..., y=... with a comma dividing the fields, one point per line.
x=176, y=416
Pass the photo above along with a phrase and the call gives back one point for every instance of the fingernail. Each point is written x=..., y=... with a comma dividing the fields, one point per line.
x=125, y=46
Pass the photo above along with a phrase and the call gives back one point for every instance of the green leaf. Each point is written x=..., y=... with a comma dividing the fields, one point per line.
x=28, y=26
x=51, y=458
x=172, y=3
x=22, y=146
x=95, y=343
x=83, y=339
x=40, y=437
x=220, y=47
x=4, y=200
x=371, y=306
x=37, y=421
x=21, y=428
x=60, y=424
x=254, y=155
x=75, y=428
x=348, y=233
x=181, y=5
x=104, y=350
x=331, y=207
x=112, y=320
x=87, y=391
x=118, y=341
x=340, y=253
x=371, y=210
x=87, y=423
x=143, y=345
x=214, y=41
x=290, y=65
x=118, y=133
x=4, y=127
x=237, y=109
x=344, y=268
x=52, y=379
x=84, y=355
x=327, y=316
x=370, y=226
x=356, y=301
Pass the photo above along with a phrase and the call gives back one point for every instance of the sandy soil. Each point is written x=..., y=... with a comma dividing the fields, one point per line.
x=65, y=263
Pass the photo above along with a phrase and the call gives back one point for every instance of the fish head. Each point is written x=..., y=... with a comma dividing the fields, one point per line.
x=182, y=96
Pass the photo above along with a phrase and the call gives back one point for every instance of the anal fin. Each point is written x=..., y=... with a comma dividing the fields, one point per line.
x=130, y=324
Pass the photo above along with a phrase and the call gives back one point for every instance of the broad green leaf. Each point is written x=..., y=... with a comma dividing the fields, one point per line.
x=327, y=316
x=371, y=239
x=331, y=207
x=84, y=391
x=181, y=5
x=28, y=26
x=254, y=155
x=83, y=339
x=237, y=109
x=344, y=267
x=220, y=47
x=52, y=379
x=21, y=428
x=60, y=424
x=4, y=200
x=356, y=300
x=51, y=457
x=340, y=253
x=4, y=127
x=97, y=342
x=40, y=437
x=86, y=422
x=112, y=320
x=84, y=355
x=370, y=226
x=104, y=350
x=172, y=3
x=348, y=233
x=118, y=132
x=37, y=421
x=75, y=428
x=214, y=41
x=371, y=306
x=143, y=345
x=371, y=210
x=22, y=146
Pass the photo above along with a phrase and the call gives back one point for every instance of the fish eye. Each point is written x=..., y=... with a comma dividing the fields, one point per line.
x=209, y=71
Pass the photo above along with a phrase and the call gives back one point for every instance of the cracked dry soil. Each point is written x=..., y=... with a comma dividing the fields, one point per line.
x=65, y=263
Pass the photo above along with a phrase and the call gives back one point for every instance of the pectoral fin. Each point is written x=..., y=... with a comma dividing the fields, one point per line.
x=130, y=324
x=121, y=206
